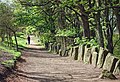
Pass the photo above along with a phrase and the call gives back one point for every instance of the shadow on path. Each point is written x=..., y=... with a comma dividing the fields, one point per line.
x=41, y=77
x=39, y=65
x=35, y=52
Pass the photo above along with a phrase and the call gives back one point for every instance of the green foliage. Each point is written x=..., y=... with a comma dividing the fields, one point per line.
x=92, y=42
x=8, y=63
x=16, y=55
x=22, y=40
x=66, y=32
x=46, y=37
x=68, y=3
x=30, y=30
x=63, y=15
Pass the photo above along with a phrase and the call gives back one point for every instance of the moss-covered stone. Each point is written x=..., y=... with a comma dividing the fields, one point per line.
x=117, y=68
x=60, y=52
x=64, y=52
x=50, y=46
x=58, y=48
x=87, y=54
x=110, y=63
x=94, y=59
x=75, y=53
x=94, y=49
x=101, y=57
x=70, y=52
x=81, y=52
x=55, y=48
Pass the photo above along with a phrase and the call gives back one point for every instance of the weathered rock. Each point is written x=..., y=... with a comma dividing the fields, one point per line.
x=55, y=47
x=58, y=48
x=75, y=53
x=87, y=54
x=63, y=52
x=94, y=49
x=110, y=63
x=70, y=52
x=117, y=68
x=101, y=57
x=81, y=52
x=66, y=53
x=52, y=49
x=50, y=46
x=107, y=74
x=94, y=59
x=60, y=52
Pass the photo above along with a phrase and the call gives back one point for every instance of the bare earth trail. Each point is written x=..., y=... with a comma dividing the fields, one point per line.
x=41, y=66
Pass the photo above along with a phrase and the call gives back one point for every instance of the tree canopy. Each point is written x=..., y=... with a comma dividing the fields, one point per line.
x=67, y=22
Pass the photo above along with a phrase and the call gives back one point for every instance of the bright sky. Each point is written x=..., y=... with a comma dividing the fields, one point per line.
x=6, y=1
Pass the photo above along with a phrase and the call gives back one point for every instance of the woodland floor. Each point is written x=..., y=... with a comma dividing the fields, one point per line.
x=38, y=65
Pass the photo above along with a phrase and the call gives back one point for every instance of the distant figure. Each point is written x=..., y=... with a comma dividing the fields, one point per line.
x=28, y=38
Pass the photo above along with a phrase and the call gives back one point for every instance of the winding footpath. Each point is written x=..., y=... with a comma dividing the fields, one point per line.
x=38, y=65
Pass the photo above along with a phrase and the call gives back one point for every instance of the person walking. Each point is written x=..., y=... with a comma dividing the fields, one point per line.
x=28, y=38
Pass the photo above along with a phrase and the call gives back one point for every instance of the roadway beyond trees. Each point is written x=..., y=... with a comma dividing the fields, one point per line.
x=38, y=65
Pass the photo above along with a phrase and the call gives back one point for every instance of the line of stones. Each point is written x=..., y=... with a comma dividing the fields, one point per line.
x=98, y=57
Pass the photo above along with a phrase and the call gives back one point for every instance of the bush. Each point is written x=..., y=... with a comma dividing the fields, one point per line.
x=92, y=42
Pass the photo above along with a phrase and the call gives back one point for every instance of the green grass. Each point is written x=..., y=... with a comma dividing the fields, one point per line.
x=8, y=63
x=12, y=51
x=16, y=55
x=22, y=41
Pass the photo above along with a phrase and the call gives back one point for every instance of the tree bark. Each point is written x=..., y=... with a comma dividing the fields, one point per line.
x=99, y=27
x=117, y=11
x=84, y=17
x=16, y=41
x=109, y=30
x=86, y=32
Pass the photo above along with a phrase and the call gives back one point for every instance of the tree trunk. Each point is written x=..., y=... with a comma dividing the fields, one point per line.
x=84, y=17
x=117, y=11
x=86, y=32
x=99, y=27
x=109, y=30
x=16, y=41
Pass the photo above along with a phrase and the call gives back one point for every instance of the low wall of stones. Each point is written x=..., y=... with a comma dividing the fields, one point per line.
x=98, y=57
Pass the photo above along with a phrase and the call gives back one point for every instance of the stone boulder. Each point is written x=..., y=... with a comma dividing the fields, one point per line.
x=70, y=52
x=52, y=49
x=94, y=59
x=110, y=63
x=58, y=48
x=75, y=53
x=50, y=46
x=87, y=54
x=81, y=52
x=60, y=52
x=55, y=48
x=117, y=68
x=63, y=52
x=66, y=53
x=101, y=57
x=94, y=49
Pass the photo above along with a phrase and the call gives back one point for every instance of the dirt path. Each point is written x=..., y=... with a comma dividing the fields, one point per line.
x=39, y=65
